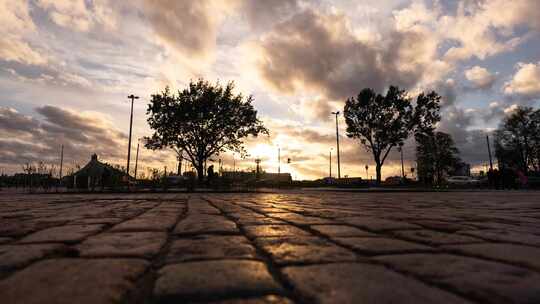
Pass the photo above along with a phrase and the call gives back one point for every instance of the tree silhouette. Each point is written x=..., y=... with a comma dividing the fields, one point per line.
x=436, y=154
x=201, y=121
x=383, y=122
x=517, y=140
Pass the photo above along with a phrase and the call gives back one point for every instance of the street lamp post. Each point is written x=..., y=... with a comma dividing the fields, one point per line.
x=337, y=142
x=279, y=160
x=330, y=163
x=132, y=97
x=400, y=148
x=489, y=152
x=136, y=160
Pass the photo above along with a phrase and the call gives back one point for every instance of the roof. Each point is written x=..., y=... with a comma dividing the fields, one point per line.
x=96, y=168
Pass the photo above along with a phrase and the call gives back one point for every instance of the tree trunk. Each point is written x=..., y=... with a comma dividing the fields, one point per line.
x=378, y=167
x=200, y=172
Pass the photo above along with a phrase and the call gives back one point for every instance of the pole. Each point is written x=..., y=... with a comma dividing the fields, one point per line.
x=337, y=142
x=330, y=163
x=61, y=161
x=61, y=165
x=402, y=167
x=136, y=161
x=132, y=97
x=279, y=160
x=489, y=152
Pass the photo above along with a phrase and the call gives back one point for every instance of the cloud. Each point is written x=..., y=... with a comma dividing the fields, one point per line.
x=79, y=15
x=480, y=77
x=471, y=142
x=261, y=14
x=16, y=24
x=28, y=139
x=477, y=28
x=320, y=53
x=525, y=82
x=188, y=27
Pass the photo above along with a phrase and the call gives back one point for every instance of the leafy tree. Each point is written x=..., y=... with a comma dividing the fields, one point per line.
x=436, y=155
x=201, y=121
x=383, y=122
x=517, y=140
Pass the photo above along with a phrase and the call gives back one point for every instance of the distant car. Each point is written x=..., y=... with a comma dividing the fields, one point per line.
x=462, y=180
x=393, y=181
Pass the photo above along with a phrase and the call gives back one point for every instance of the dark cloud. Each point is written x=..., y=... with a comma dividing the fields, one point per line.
x=470, y=142
x=261, y=14
x=188, y=26
x=320, y=53
x=29, y=139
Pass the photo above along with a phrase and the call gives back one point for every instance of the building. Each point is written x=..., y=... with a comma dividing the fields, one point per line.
x=96, y=174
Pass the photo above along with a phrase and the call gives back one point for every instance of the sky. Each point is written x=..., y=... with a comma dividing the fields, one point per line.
x=67, y=67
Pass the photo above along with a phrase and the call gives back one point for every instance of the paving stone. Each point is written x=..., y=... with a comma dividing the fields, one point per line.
x=123, y=244
x=4, y=240
x=16, y=256
x=263, y=220
x=104, y=220
x=485, y=281
x=299, y=219
x=72, y=281
x=290, y=250
x=271, y=299
x=516, y=254
x=378, y=245
x=378, y=224
x=205, y=224
x=362, y=283
x=147, y=223
x=210, y=247
x=442, y=226
x=341, y=231
x=432, y=237
x=505, y=236
x=213, y=280
x=273, y=230
x=66, y=234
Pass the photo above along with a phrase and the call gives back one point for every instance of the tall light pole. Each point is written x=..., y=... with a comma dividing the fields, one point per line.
x=279, y=159
x=489, y=152
x=330, y=163
x=337, y=142
x=132, y=97
x=61, y=166
x=400, y=148
x=136, y=159
x=61, y=162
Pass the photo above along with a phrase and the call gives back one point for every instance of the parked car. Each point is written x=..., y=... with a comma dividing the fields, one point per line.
x=462, y=181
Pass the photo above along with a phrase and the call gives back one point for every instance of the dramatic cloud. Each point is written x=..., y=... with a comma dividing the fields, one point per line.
x=320, y=53
x=480, y=77
x=477, y=29
x=470, y=142
x=189, y=27
x=28, y=139
x=525, y=82
x=263, y=13
x=79, y=15
x=15, y=26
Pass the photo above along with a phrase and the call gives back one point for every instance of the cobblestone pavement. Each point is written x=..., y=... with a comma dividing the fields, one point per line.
x=312, y=247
